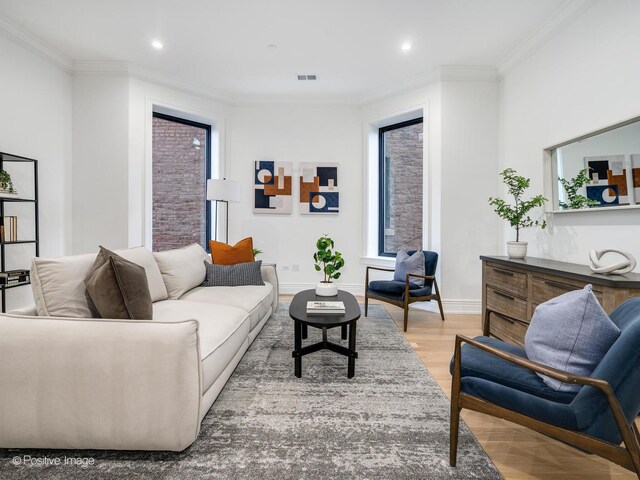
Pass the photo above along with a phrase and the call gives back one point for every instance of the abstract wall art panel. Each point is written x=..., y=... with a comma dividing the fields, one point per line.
x=272, y=187
x=608, y=180
x=319, y=191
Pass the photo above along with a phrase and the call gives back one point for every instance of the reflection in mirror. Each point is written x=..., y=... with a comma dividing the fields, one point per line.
x=598, y=171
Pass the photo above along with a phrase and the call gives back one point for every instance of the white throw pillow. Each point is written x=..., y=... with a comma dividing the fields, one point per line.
x=143, y=257
x=58, y=285
x=182, y=269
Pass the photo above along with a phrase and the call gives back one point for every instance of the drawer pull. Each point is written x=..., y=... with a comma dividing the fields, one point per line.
x=503, y=272
x=504, y=295
x=558, y=285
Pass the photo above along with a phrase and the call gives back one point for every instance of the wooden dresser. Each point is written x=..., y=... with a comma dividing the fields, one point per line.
x=511, y=290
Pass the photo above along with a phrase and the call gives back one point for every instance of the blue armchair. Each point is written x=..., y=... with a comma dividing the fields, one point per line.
x=402, y=294
x=496, y=378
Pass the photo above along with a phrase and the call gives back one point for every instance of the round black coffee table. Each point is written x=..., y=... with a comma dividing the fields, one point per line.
x=298, y=312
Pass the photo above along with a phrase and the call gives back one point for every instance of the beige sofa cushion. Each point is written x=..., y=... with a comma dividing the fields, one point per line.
x=182, y=268
x=223, y=330
x=255, y=300
x=58, y=283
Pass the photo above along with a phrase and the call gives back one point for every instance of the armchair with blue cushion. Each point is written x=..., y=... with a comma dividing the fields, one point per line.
x=496, y=378
x=402, y=294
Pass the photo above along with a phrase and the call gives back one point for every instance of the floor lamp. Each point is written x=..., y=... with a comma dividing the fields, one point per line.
x=224, y=191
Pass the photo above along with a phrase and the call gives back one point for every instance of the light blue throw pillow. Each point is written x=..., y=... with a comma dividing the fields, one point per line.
x=571, y=333
x=406, y=263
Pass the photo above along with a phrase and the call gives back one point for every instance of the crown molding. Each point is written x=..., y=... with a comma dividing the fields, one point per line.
x=36, y=46
x=413, y=82
x=124, y=69
x=464, y=73
x=318, y=100
x=569, y=12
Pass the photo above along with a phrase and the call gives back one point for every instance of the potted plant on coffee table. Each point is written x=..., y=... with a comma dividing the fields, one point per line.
x=517, y=214
x=328, y=261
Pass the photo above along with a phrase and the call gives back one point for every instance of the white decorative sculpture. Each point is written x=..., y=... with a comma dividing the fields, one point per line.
x=619, y=268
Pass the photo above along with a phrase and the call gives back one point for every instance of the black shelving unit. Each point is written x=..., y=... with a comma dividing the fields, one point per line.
x=4, y=159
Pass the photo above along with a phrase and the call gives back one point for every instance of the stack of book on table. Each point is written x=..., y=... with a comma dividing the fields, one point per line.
x=14, y=277
x=325, y=308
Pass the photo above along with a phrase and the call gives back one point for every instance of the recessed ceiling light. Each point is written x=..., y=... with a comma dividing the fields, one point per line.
x=406, y=46
x=272, y=46
x=157, y=44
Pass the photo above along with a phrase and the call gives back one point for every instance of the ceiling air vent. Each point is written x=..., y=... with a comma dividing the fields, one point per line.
x=307, y=77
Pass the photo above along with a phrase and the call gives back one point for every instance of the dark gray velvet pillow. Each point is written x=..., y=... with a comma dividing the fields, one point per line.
x=237, y=275
x=118, y=288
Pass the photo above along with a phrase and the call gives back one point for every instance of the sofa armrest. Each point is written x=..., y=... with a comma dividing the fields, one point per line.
x=99, y=384
x=270, y=274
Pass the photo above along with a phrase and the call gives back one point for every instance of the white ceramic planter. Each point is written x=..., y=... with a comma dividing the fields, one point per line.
x=326, y=289
x=517, y=249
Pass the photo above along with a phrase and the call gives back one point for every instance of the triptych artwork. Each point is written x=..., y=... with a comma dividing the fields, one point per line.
x=318, y=188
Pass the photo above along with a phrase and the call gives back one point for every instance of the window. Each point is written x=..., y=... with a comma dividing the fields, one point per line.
x=181, y=166
x=400, y=190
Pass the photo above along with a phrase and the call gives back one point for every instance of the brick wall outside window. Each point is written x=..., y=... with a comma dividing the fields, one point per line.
x=179, y=185
x=403, y=146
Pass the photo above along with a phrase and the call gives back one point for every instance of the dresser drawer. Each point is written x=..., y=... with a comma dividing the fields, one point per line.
x=545, y=289
x=507, y=304
x=506, y=280
x=507, y=329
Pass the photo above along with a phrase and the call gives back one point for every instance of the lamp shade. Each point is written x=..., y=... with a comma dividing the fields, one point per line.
x=223, y=190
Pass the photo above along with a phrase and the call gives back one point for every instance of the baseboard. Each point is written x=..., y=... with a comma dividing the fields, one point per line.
x=452, y=306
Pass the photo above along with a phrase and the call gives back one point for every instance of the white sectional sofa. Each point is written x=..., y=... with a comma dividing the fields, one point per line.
x=71, y=381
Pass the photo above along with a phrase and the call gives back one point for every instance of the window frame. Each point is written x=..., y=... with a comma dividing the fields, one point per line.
x=382, y=180
x=207, y=159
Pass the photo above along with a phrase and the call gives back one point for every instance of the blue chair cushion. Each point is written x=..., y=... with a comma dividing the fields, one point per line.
x=480, y=364
x=395, y=289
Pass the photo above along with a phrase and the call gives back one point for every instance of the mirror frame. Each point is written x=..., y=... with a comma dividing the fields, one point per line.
x=550, y=180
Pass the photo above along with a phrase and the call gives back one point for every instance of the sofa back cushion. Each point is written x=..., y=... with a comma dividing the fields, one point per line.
x=58, y=283
x=571, y=333
x=182, y=269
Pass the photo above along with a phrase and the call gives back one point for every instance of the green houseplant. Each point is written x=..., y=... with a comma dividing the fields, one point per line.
x=576, y=201
x=517, y=214
x=6, y=184
x=329, y=262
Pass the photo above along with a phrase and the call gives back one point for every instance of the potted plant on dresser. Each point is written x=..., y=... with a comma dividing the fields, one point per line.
x=328, y=261
x=517, y=214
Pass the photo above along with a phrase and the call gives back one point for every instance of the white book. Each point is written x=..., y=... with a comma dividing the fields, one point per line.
x=325, y=308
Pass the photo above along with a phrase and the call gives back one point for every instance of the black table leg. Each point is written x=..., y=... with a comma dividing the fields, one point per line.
x=352, y=347
x=305, y=332
x=344, y=332
x=297, y=335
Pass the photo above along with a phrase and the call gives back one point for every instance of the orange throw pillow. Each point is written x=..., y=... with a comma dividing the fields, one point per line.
x=224, y=254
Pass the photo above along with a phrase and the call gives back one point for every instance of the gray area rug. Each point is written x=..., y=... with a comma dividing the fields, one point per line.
x=389, y=422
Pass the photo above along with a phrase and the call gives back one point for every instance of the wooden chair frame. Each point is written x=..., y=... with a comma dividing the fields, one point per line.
x=404, y=304
x=627, y=456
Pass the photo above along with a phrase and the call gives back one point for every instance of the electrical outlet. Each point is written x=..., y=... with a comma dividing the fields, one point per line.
x=285, y=268
x=295, y=267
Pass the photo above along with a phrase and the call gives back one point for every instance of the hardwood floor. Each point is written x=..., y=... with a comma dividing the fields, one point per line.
x=518, y=452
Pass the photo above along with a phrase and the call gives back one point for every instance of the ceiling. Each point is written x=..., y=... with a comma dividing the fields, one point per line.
x=354, y=46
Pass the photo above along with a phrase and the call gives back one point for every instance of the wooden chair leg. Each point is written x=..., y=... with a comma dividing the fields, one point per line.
x=454, y=425
x=366, y=303
x=441, y=309
x=406, y=314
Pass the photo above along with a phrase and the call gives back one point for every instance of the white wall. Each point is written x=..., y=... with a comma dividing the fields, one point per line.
x=299, y=133
x=35, y=122
x=585, y=78
x=100, y=162
x=469, y=166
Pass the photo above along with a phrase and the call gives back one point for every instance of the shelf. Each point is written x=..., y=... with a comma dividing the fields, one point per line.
x=15, y=199
x=18, y=242
x=7, y=157
x=6, y=287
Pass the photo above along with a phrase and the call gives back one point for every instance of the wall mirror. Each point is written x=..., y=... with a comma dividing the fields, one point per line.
x=600, y=170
